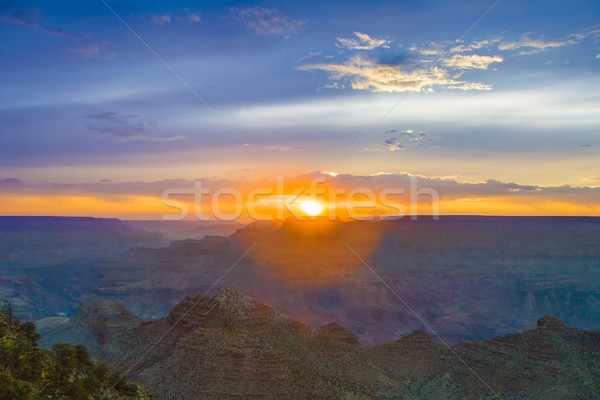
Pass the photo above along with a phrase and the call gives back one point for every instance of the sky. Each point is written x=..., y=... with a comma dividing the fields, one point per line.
x=106, y=105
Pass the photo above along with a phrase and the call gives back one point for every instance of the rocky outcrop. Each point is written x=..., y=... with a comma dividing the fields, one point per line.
x=334, y=333
x=232, y=346
x=551, y=323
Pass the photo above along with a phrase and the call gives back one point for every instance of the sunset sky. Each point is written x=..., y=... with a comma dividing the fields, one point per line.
x=105, y=105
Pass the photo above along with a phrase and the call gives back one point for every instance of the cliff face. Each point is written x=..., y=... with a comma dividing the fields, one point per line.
x=227, y=346
x=231, y=346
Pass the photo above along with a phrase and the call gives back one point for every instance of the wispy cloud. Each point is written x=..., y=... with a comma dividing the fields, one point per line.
x=119, y=127
x=265, y=21
x=10, y=182
x=194, y=18
x=447, y=187
x=278, y=147
x=86, y=51
x=476, y=45
x=538, y=43
x=94, y=50
x=587, y=33
x=364, y=74
x=161, y=19
x=431, y=49
x=362, y=42
x=311, y=55
x=35, y=23
x=471, y=61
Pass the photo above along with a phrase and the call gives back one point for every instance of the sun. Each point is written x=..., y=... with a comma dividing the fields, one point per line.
x=310, y=207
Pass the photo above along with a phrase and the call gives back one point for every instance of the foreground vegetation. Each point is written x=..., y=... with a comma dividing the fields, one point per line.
x=29, y=372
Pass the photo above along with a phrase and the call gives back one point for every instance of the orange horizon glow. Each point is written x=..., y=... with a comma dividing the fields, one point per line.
x=152, y=207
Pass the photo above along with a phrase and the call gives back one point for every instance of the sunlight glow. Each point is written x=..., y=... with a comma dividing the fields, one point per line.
x=311, y=207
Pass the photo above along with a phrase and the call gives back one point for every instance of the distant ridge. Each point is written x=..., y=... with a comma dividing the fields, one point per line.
x=21, y=222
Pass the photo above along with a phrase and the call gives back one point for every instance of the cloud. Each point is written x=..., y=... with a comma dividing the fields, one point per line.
x=112, y=116
x=461, y=48
x=526, y=41
x=432, y=49
x=598, y=56
x=161, y=19
x=194, y=18
x=448, y=188
x=311, y=55
x=394, y=144
x=86, y=51
x=404, y=139
x=587, y=33
x=363, y=42
x=94, y=50
x=268, y=22
x=34, y=23
x=119, y=127
x=364, y=74
x=471, y=61
x=278, y=147
x=10, y=182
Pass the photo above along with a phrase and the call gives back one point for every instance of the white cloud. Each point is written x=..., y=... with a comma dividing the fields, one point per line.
x=333, y=173
x=593, y=33
x=432, y=49
x=461, y=48
x=194, y=18
x=310, y=56
x=364, y=74
x=278, y=147
x=268, y=22
x=471, y=61
x=364, y=42
x=526, y=41
x=86, y=51
x=161, y=19
x=598, y=56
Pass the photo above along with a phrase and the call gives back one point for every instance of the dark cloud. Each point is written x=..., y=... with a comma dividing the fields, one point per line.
x=10, y=182
x=112, y=116
x=447, y=188
x=120, y=127
x=403, y=139
x=394, y=144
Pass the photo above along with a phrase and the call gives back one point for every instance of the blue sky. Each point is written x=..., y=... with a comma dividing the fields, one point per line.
x=516, y=100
